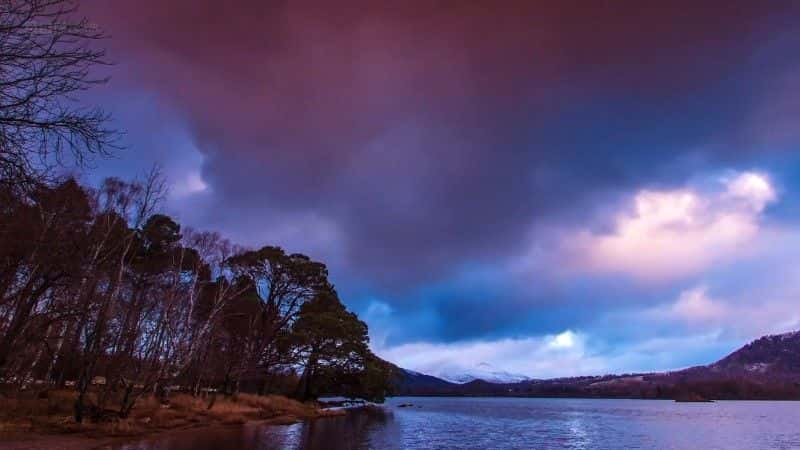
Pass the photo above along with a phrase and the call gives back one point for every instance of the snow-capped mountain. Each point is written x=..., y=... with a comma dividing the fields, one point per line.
x=481, y=371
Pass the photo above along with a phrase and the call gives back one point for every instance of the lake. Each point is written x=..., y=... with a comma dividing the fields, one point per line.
x=515, y=423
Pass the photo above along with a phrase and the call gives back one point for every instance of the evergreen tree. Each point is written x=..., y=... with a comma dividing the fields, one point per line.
x=333, y=347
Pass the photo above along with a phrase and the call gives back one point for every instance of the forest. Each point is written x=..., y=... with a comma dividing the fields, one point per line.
x=103, y=293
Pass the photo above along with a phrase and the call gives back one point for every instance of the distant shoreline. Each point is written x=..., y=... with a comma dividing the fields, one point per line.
x=553, y=397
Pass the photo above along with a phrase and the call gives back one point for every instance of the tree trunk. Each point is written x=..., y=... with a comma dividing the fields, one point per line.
x=305, y=386
x=126, y=405
x=28, y=298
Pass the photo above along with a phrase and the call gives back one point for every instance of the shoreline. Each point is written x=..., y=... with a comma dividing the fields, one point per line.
x=578, y=397
x=54, y=429
x=91, y=440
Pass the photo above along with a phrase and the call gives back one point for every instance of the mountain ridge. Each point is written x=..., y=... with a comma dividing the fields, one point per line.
x=765, y=368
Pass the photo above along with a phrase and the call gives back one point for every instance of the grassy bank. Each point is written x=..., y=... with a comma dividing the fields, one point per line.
x=50, y=413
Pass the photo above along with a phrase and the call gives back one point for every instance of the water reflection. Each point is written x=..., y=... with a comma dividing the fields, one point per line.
x=362, y=429
x=508, y=423
x=371, y=428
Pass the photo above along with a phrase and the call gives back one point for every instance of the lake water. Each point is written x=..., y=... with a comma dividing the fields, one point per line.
x=516, y=423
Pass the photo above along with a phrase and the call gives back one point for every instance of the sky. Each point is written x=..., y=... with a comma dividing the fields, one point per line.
x=554, y=188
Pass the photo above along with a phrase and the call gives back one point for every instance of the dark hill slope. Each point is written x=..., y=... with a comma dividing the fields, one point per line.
x=776, y=356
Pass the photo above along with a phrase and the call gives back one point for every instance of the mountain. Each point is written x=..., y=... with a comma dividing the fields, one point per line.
x=408, y=382
x=776, y=356
x=481, y=371
x=767, y=368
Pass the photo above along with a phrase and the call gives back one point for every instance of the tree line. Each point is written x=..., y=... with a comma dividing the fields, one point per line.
x=102, y=293
x=97, y=289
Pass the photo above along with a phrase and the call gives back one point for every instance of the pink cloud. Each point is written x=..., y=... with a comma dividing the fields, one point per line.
x=673, y=233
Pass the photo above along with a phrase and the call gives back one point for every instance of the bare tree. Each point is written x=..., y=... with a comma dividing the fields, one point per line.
x=47, y=54
x=100, y=292
x=134, y=201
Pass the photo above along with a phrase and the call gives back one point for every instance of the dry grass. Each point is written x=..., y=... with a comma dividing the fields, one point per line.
x=63, y=401
x=145, y=407
x=184, y=402
x=31, y=404
x=51, y=412
x=124, y=427
x=278, y=405
x=231, y=411
x=243, y=407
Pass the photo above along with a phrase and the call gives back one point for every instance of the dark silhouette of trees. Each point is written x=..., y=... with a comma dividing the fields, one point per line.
x=331, y=345
x=274, y=286
x=47, y=53
x=101, y=293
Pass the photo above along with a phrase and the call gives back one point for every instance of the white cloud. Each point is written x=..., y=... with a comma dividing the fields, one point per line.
x=673, y=233
x=754, y=188
x=563, y=354
x=190, y=183
x=695, y=305
x=566, y=339
x=743, y=317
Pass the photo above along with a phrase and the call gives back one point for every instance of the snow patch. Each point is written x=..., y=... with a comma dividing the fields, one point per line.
x=481, y=371
x=757, y=367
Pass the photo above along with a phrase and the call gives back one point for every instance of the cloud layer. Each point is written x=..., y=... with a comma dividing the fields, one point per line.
x=678, y=232
x=482, y=176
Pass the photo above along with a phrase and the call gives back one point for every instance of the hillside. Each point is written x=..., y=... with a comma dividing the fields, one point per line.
x=408, y=382
x=767, y=368
x=773, y=356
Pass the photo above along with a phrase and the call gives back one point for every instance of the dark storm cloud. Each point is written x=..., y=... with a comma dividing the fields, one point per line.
x=419, y=135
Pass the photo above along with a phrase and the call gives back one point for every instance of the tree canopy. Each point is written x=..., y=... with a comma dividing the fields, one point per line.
x=331, y=345
x=94, y=284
